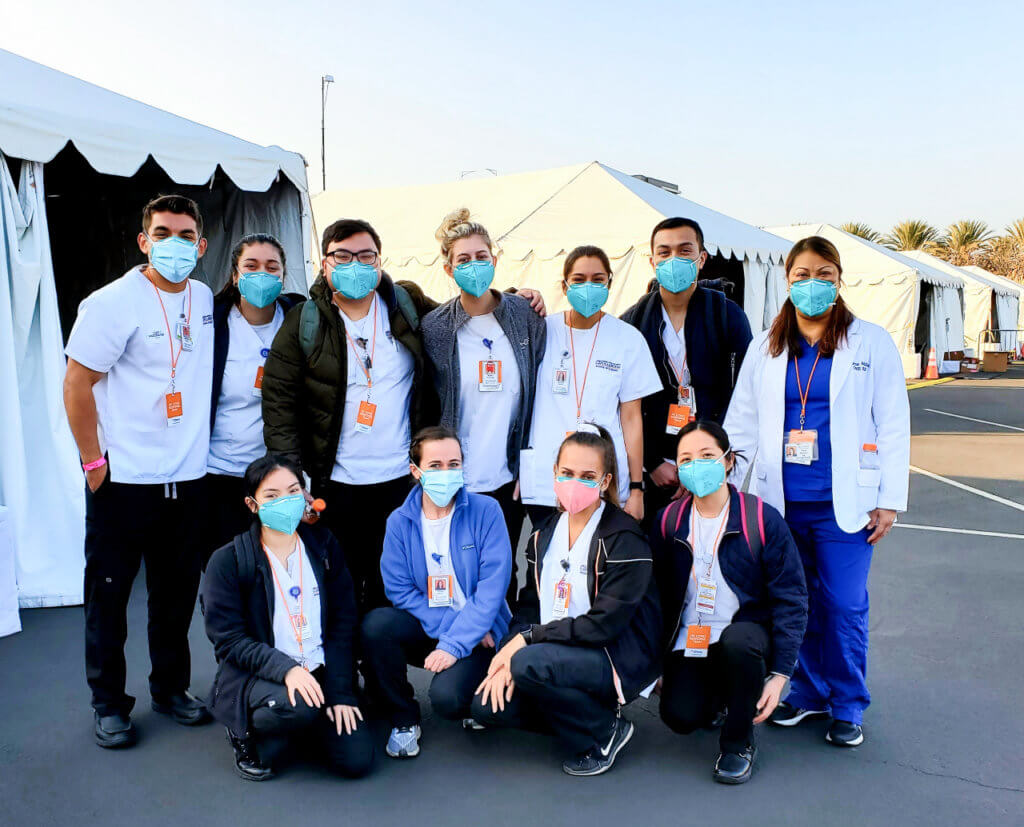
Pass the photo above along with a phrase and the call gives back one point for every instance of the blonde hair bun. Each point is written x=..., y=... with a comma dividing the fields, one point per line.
x=458, y=224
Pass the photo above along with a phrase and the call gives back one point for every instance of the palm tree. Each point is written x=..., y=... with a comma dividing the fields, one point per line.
x=963, y=240
x=911, y=235
x=861, y=230
x=1015, y=231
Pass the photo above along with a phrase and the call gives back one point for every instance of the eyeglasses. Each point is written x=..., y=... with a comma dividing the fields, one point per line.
x=347, y=256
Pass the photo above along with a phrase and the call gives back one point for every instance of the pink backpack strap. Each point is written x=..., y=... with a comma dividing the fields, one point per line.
x=743, y=518
x=747, y=520
x=680, y=506
x=760, y=518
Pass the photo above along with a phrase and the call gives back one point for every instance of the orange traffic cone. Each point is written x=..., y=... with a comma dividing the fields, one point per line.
x=932, y=371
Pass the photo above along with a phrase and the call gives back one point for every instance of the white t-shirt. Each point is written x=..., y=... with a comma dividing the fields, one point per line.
x=485, y=417
x=289, y=579
x=121, y=332
x=436, y=547
x=674, y=341
x=702, y=540
x=621, y=370
x=382, y=453
x=237, y=437
x=578, y=557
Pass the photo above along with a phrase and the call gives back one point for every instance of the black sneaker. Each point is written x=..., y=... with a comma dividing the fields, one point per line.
x=788, y=715
x=114, y=731
x=845, y=734
x=247, y=760
x=734, y=767
x=598, y=760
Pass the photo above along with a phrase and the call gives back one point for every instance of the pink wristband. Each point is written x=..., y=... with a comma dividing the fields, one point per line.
x=96, y=463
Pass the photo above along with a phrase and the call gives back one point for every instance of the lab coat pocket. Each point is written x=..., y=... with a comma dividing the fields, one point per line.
x=869, y=477
x=761, y=472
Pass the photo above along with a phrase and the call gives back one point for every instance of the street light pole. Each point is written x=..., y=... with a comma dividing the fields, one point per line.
x=324, y=81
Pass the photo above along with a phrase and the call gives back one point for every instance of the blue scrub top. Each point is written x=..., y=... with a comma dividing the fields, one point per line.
x=809, y=483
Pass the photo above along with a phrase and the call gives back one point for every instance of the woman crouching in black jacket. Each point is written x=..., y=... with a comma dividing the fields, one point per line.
x=586, y=636
x=734, y=599
x=281, y=613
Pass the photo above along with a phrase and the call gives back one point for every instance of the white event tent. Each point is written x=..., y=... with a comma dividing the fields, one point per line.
x=919, y=305
x=988, y=305
x=535, y=218
x=1014, y=286
x=77, y=164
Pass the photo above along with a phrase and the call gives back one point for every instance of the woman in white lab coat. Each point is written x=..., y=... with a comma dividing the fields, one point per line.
x=821, y=408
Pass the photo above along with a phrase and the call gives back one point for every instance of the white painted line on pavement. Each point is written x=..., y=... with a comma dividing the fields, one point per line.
x=961, y=531
x=960, y=485
x=972, y=419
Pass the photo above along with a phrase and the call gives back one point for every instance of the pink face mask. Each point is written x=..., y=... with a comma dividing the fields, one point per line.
x=576, y=495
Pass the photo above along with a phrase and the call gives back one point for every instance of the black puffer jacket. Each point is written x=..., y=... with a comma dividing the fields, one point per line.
x=304, y=399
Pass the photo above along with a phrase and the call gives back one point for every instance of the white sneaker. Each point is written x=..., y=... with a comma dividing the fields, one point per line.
x=404, y=742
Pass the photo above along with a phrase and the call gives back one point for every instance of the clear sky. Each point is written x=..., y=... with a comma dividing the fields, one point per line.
x=771, y=112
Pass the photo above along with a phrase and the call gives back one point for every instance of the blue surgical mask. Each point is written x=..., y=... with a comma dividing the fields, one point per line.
x=587, y=298
x=813, y=297
x=259, y=289
x=703, y=476
x=284, y=513
x=676, y=274
x=173, y=258
x=441, y=485
x=354, y=280
x=474, y=277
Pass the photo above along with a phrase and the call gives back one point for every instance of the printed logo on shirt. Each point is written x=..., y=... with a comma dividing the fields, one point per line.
x=612, y=366
x=207, y=318
x=864, y=366
x=156, y=334
x=468, y=546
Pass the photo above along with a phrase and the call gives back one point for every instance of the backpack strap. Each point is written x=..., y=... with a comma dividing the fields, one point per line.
x=309, y=326
x=680, y=507
x=407, y=306
x=245, y=563
x=752, y=518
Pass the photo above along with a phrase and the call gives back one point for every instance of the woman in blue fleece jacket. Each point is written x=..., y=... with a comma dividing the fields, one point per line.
x=446, y=564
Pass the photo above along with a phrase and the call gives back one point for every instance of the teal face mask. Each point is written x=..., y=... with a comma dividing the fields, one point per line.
x=587, y=298
x=284, y=513
x=474, y=277
x=259, y=289
x=173, y=258
x=441, y=485
x=676, y=274
x=702, y=476
x=354, y=280
x=813, y=297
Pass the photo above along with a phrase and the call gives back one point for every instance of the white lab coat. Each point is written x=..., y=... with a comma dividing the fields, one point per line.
x=869, y=406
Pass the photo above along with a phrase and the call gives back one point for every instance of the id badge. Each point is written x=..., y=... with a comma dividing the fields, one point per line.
x=560, y=607
x=365, y=417
x=706, y=591
x=688, y=397
x=257, y=385
x=678, y=416
x=801, y=447
x=560, y=381
x=439, y=590
x=302, y=624
x=490, y=375
x=185, y=335
x=174, y=408
x=698, y=638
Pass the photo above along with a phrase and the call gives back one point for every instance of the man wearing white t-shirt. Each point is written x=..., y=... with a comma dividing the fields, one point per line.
x=343, y=389
x=137, y=394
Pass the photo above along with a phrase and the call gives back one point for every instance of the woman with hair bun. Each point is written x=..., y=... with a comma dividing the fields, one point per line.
x=821, y=405
x=485, y=348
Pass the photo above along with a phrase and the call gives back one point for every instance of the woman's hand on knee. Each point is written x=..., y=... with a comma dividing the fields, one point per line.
x=301, y=681
x=344, y=717
x=439, y=660
x=497, y=689
x=770, y=696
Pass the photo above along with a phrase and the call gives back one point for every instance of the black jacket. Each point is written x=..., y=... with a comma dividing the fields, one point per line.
x=222, y=340
x=771, y=589
x=717, y=335
x=239, y=622
x=624, y=617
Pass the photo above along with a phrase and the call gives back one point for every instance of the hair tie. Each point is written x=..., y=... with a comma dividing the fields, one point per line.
x=587, y=428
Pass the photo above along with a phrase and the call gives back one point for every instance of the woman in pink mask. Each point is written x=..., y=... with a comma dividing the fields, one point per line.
x=584, y=641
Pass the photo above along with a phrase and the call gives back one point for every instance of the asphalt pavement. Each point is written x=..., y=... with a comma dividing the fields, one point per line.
x=943, y=734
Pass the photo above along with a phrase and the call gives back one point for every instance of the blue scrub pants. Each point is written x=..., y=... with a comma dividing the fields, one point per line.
x=831, y=672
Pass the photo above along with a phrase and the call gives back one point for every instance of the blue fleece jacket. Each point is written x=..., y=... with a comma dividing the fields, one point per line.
x=481, y=556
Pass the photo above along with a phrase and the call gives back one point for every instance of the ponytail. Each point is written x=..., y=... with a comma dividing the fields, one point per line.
x=599, y=439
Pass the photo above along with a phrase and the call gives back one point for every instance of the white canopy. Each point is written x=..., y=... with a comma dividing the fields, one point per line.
x=883, y=286
x=1012, y=285
x=535, y=218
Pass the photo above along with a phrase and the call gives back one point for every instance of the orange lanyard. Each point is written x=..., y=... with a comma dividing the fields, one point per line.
x=373, y=345
x=678, y=374
x=714, y=548
x=302, y=594
x=170, y=342
x=577, y=390
x=804, y=394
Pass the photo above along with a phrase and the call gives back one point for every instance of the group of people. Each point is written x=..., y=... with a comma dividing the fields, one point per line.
x=703, y=503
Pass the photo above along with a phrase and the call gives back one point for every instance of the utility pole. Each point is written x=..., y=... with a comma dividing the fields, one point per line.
x=324, y=81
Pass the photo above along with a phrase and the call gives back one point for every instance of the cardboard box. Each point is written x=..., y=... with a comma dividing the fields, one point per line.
x=969, y=364
x=993, y=362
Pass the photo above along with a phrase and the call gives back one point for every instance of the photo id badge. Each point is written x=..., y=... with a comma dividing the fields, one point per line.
x=688, y=398
x=678, y=416
x=257, y=385
x=698, y=638
x=439, y=590
x=302, y=626
x=490, y=375
x=801, y=447
x=560, y=381
x=174, y=408
x=365, y=417
x=185, y=335
x=706, y=591
x=560, y=607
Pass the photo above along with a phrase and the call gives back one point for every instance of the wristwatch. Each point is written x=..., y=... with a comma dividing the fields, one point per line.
x=637, y=486
x=527, y=634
